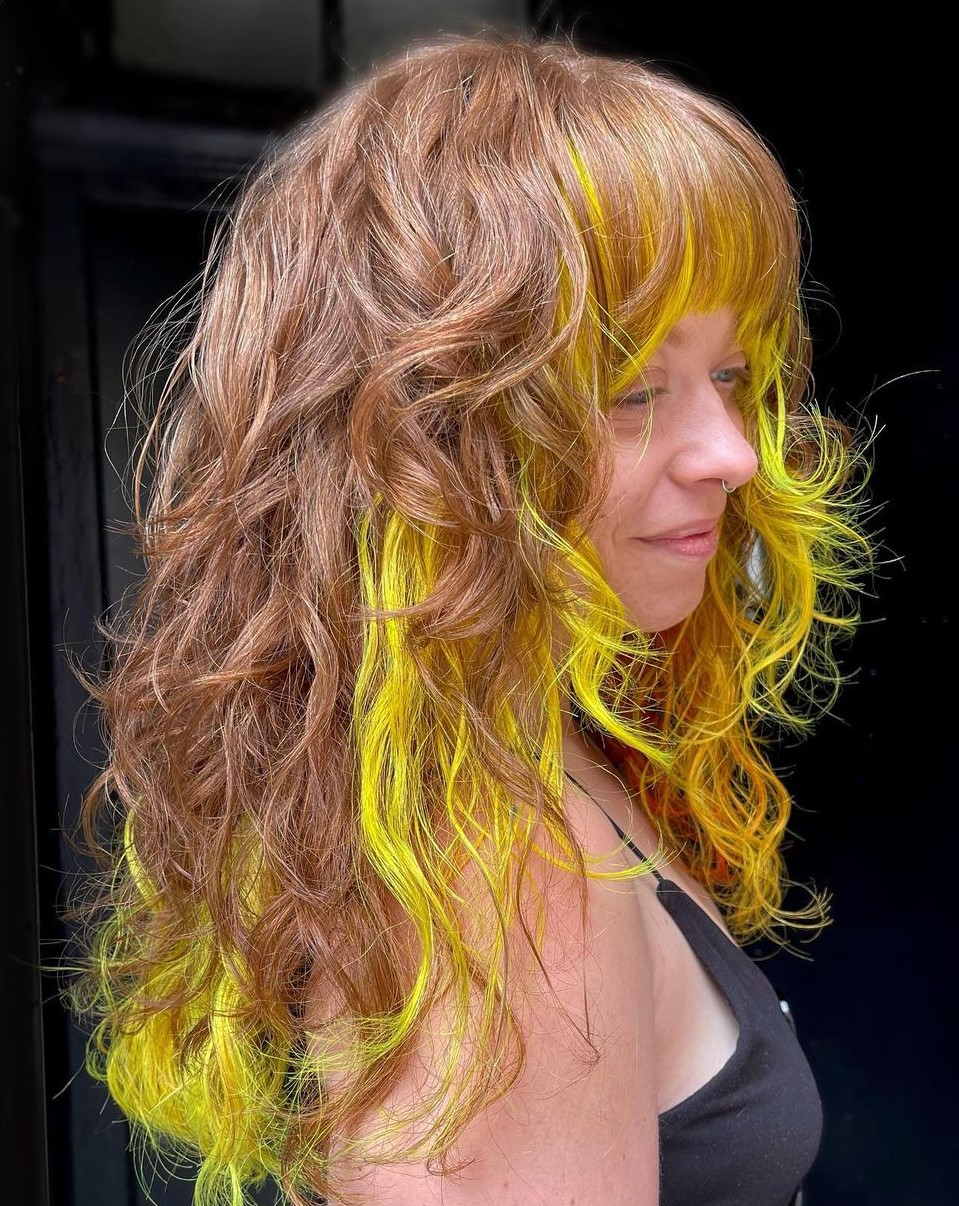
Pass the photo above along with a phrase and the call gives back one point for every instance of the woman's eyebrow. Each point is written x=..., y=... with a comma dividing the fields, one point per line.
x=677, y=338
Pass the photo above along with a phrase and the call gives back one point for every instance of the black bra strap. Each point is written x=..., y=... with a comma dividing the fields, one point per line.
x=635, y=849
x=622, y=836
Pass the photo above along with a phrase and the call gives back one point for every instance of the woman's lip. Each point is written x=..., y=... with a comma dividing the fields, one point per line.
x=696, y=545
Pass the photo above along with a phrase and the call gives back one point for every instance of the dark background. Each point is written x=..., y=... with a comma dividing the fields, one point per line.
x=110, y=176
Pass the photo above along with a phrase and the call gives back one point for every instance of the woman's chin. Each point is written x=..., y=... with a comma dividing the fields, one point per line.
x=664, y=615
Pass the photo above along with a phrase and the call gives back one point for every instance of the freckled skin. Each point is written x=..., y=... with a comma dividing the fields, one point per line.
x=678, y=436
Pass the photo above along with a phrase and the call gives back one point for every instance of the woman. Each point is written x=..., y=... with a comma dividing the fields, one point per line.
x=494, y=534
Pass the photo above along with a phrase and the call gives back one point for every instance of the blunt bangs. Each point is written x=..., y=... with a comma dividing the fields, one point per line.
x=680, y=209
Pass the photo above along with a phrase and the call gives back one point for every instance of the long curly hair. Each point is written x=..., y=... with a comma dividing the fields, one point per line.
x=333, y=708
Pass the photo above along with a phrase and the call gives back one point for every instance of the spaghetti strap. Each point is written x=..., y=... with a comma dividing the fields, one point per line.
x=635, y=849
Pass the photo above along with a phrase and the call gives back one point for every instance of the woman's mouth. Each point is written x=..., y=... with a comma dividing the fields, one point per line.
x=698, y=546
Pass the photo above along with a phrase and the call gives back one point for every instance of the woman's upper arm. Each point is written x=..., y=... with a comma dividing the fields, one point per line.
x=580, y=1124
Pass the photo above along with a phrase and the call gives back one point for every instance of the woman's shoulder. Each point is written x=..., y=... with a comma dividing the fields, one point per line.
x=580, y=1122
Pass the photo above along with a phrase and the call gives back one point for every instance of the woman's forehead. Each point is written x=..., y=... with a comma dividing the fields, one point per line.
x=720, y=324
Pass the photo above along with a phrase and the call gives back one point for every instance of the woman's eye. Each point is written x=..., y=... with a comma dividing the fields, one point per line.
x=639, y=397
x=733, y=374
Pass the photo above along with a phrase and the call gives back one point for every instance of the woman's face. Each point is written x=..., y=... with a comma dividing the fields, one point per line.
x=678, y=436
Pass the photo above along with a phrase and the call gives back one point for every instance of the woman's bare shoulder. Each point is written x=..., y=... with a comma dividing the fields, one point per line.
x=580, y=1123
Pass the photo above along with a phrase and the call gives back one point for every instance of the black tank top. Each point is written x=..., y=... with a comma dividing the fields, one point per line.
x=749, y=1135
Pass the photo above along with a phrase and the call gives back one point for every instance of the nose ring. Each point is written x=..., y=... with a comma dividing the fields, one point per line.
x=728, y=488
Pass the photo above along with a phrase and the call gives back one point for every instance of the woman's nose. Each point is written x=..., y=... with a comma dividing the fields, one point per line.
x=718, y=448
x=739, y=458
